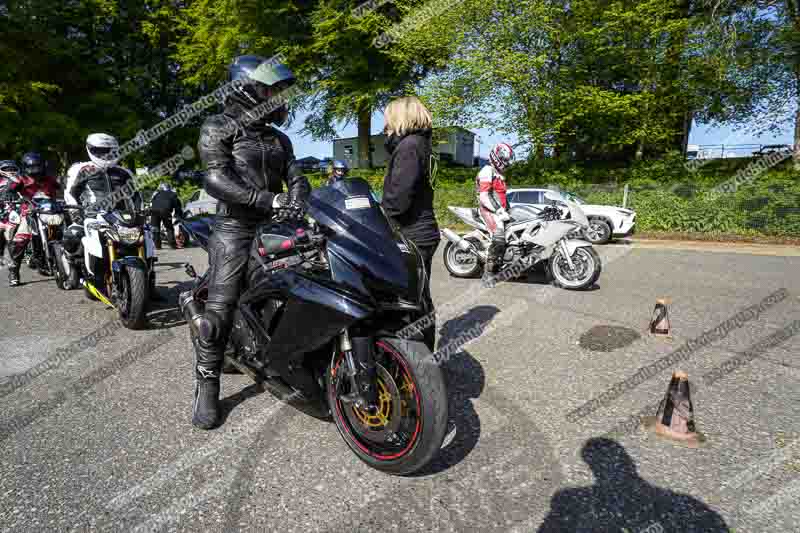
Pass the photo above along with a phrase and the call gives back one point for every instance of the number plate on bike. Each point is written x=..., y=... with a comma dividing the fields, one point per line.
x=356, y=202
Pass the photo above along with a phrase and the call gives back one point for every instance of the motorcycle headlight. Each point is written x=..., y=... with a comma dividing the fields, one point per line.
x=52, y=220
x=127, y=235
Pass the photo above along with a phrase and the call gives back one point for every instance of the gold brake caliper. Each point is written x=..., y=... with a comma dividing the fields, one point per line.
x=381, y=416
x=408, y=388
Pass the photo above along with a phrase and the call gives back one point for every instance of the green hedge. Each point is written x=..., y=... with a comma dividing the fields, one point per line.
x=665, y=200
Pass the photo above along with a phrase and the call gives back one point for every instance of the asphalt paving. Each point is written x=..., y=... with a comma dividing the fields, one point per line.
x=95, y=431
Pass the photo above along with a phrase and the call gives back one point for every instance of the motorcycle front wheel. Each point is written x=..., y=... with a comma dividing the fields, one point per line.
x=407, y=429
x=133, y=298
x=586, y=272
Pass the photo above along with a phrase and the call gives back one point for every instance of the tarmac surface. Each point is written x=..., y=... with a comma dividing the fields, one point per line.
x=98, y=436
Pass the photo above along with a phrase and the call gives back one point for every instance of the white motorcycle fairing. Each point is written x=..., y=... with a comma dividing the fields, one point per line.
x=91, y=239
x=547, y=234
x=574, y=244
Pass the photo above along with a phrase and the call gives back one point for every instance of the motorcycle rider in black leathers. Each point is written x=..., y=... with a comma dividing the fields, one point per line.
x=247, y=162
x=163, y=206
x=91, y=183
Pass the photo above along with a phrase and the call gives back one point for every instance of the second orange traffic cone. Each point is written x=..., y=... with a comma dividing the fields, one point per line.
x=659, y=324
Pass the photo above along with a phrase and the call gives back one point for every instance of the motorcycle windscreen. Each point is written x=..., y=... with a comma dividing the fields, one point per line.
x=364, y=241
x=577, y=214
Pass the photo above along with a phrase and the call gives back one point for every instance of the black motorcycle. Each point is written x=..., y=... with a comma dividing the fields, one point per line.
x=319, y=318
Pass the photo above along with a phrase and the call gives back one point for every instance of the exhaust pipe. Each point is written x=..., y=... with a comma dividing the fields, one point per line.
x=461, y=242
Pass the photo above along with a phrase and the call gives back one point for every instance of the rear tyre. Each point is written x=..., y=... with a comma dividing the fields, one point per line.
x=133, y=298
x=461, y=264
x=406, y=432
x=66, y=274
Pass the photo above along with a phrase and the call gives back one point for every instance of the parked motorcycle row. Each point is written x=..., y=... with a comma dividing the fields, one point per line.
x=110, y=254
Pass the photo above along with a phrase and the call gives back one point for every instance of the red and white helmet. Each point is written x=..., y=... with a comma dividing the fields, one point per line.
x=501, y=156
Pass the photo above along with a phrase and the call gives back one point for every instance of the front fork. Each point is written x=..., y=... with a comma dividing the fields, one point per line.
x=360, y=360
x=45, y=243
x=565, y=251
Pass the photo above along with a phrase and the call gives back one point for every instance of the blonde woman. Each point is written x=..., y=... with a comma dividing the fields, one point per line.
x=407, y=191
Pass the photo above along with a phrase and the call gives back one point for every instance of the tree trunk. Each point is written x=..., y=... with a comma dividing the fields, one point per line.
x=796, y=146
x=640, y=150
x=687, y=130
x=793, y=9
x=540, y=151
x=364, y=131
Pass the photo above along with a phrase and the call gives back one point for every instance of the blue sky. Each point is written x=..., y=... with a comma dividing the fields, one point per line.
x=305, y=146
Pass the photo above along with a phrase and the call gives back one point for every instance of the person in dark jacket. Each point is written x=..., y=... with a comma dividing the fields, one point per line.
x=407, y=189
x=249, y=161
x=163, y=206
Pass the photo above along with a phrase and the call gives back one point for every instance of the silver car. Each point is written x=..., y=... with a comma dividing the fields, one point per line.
x=200, y=203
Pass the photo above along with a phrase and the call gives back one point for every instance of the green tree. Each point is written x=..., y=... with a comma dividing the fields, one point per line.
x=355, y=74
x=594, y=79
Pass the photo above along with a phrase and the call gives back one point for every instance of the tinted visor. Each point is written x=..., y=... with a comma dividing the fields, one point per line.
x=101, y=152
x=270, y=74
x=34, y=169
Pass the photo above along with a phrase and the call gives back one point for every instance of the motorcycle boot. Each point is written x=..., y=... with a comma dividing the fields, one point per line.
x=39, y=261
x=13, y=276
x=16, y=253
x=494, y=261
x=209, y=356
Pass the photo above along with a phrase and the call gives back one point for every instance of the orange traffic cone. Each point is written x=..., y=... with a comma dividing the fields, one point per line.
x=675, y=417
x=659, y=324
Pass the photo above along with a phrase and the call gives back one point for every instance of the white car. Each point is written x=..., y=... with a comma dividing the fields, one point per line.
x=605, y=221
x=200, y=203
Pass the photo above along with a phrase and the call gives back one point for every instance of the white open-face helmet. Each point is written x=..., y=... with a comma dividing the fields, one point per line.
x=102, y=149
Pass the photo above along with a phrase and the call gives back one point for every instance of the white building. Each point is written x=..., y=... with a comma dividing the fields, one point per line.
x=456, y=145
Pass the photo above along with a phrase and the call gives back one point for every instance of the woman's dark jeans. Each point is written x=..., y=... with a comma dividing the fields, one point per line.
x=428, y=251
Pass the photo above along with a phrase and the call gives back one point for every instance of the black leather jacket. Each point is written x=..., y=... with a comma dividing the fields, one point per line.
x=247, y=165
x=90, y=185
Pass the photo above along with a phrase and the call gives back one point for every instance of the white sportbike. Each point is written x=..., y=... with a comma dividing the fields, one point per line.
x=533, y=237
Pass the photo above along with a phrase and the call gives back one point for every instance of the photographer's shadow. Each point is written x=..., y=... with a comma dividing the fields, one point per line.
x=620, y=500
x=465, y=380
